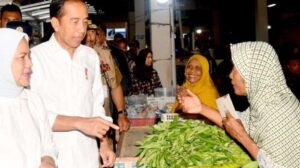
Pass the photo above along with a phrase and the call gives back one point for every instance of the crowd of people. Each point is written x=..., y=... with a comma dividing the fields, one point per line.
x=61, y=96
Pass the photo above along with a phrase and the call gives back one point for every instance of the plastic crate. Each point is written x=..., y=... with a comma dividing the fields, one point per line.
x=142, y=121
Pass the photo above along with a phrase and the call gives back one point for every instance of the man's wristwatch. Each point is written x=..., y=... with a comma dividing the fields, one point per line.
x=122, y=112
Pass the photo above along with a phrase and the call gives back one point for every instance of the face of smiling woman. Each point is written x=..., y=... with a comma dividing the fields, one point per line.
x=193, y=71
x=21, y=64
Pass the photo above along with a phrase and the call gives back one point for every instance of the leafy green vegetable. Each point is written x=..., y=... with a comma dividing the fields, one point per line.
x=253, y=164
x=190, y=144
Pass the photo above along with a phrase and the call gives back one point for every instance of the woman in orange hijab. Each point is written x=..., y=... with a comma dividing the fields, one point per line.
x=199, y=82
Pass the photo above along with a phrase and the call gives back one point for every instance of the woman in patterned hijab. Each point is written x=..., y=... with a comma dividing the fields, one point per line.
x=270, y=128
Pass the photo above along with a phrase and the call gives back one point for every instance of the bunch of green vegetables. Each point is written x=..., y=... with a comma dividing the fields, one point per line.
x=190, y=144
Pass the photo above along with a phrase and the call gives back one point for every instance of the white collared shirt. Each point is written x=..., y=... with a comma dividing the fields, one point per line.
x=69, y=86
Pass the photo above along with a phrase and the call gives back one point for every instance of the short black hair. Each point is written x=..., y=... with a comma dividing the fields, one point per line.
x=10, y=8
x=56, y=7
x=118, y=37
x=122, y=40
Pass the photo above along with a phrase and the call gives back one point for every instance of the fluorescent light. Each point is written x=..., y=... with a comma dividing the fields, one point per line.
x=162, y=1
x=47, y=16
x=27, y=18
x=271, y=5
x=35, y=8
x=35, y=4
x=40, y=12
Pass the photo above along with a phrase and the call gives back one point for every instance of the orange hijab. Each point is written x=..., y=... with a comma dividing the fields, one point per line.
x=203, y=88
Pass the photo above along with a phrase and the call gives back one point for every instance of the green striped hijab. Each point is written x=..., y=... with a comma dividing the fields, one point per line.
x=273, y=118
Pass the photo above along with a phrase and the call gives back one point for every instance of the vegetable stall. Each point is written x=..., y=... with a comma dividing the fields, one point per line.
x=190, y=143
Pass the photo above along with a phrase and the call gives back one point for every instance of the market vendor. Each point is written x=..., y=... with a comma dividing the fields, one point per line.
x=198, y=80
x=269, y=129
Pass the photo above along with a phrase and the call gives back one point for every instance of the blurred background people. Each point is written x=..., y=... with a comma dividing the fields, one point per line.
x=132, y=53
x=117, y=47
x=10, y=12
x=114, y=102
x=111, y=77
x=144, y=77
x=90, y=37
x=22, y=27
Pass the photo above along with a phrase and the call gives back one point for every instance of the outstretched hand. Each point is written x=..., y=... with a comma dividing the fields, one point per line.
x=189, y=102
x=95, y=126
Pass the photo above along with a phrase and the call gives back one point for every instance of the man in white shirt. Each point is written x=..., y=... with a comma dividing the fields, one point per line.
x=67, y=77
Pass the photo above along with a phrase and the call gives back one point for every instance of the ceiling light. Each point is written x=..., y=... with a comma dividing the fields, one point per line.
x=162, y=1
x=199, y=31
x=35, y=8
x=269, y=26
x=271, y=5
x=40, y=12
x=35, y=4
x=47, y=16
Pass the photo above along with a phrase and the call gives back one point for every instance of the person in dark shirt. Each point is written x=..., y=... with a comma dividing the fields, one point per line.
x=144, y=77
x=121, y=60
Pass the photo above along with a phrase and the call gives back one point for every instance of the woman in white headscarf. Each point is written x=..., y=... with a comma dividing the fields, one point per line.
x=270, y=128
x=25, y=135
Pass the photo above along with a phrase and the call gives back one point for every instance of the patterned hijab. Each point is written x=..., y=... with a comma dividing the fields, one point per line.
x=9, y=42
x=273, y=118
x=203, y=88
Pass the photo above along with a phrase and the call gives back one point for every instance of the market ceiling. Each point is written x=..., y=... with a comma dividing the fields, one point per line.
x=118, y=9
x=105, y=9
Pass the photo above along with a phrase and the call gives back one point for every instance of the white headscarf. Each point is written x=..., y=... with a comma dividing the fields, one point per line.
x=9, y=41
x=273, y=118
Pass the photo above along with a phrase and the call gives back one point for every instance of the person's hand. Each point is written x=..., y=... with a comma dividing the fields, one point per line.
x=107, y=155
x=237, y=131
x=95, y=126
x=234, y=127
x=47, y=162
x=123, y=122
x=178, y=89
x=189, y=102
